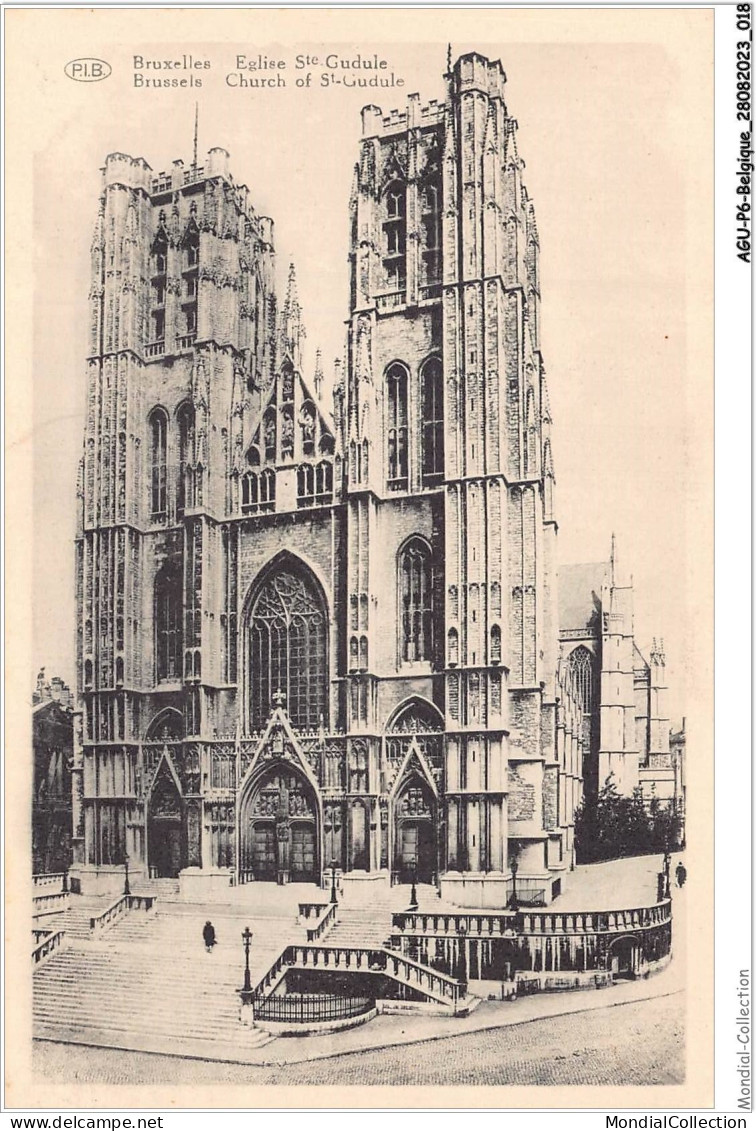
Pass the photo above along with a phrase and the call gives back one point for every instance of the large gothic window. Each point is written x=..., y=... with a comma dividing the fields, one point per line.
x=168, y=624
x=415, y=594
x=580, y=666
x=158, y=463
x=433, y=419
x=288, y=639
x=396, y=394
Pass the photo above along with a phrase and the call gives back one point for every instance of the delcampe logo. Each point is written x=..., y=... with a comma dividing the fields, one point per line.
x=88, y=70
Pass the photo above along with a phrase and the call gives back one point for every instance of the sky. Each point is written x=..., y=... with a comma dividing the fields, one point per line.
x=612, y=166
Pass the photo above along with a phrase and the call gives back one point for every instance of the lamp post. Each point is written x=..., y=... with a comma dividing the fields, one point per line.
x=513, y=901
x=666, y=867
x=413, y=892
x=247, y=940
x=462, y=966
x=334, y=893
x=126, y=885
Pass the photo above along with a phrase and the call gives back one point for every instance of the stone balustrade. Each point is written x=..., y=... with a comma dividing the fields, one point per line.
x=56, y=880
x=324, y=923
x=53, y=941
x=505, y=924
x=49, y=903
x=122, y=906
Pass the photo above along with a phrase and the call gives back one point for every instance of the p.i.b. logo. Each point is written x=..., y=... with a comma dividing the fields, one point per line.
x=88, y=70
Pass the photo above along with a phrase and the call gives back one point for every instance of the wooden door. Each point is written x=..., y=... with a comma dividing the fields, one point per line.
x=264, y=851
x=303, y=853
x=408, y=848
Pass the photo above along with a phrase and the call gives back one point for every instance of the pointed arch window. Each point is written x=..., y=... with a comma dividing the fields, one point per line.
x=415, y=594
x=430, y=216
x=432, y=380
x=168, y=624
x=396, y=396
x=287, y=636
x=185, y=421
x=158, y=463
x=395, y=235
x=580, y=668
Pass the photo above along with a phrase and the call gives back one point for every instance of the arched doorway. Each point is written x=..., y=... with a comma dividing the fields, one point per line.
x=165, y=830
x=624, y=957
x=415, y=832
x=279, y=829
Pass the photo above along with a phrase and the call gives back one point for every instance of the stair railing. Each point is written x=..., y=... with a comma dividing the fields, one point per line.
x=122, y=906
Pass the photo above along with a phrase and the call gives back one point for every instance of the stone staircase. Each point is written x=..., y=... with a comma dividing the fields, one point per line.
x=148, y=983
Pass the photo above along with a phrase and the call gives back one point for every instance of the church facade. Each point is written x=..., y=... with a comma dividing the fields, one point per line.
x=315, y=636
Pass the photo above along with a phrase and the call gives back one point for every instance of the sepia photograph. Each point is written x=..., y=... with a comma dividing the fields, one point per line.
x=363, y=737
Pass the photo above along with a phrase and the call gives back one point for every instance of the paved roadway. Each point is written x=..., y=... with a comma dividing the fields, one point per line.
x=638, y=1043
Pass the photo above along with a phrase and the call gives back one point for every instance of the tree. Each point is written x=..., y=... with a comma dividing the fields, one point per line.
x=612, y=825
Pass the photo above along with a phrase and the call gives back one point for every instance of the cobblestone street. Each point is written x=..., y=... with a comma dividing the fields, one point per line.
x=638, y=1043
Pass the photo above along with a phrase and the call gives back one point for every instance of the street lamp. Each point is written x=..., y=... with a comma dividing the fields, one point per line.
x=462, y=965
x=334, y=893
x=413, y=892
x=126, y=885
x=666, y=866
x=247, y=940
x=513, y=900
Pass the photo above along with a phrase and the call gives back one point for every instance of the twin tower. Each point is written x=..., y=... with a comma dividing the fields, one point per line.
x=311, y=635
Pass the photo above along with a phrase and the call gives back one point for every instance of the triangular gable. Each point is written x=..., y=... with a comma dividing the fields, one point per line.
x=326, y=421
x=414, y=761
x=280, y=744
x=167, y=761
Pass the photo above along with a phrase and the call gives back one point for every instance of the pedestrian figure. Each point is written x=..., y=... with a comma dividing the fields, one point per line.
x=681, y=874
x=208, y=934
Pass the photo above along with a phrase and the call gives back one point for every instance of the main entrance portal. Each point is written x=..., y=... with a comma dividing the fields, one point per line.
x=279, y=830
x=165, y=833
x=415, y=834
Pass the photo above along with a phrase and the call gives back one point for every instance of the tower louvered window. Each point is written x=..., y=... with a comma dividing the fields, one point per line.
x=430, y=214
x=415, y=594
x=433, y=420
x=168, y=624
x=288, y=650
x=395, y=236
x=396, y=393
x=185, y=421
x=158, y=464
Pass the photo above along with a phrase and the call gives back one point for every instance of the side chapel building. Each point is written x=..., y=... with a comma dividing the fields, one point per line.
x=308, y=637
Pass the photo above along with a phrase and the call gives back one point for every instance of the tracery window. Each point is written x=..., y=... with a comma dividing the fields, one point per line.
x=396, y=394
x=580, y=668
x=314, y=484
x=416, y=589
x=432, y=379
x=258, y=491
x=288, y=635
x=168, y=624
x=158, y=463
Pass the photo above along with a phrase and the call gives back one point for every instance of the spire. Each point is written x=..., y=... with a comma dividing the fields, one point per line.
x=613, y=561
x=292, y=330
x=318, y=375
x=448, y=58
x=196, y=134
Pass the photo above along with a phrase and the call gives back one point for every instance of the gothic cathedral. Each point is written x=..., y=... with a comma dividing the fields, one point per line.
x=315, y=635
